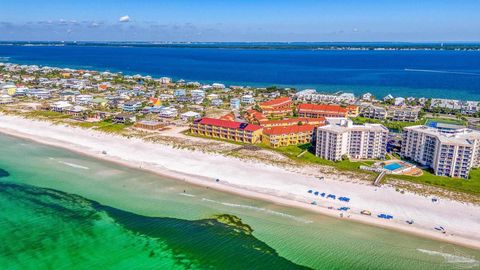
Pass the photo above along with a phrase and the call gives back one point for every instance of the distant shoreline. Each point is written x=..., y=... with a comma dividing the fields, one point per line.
x=352, y=46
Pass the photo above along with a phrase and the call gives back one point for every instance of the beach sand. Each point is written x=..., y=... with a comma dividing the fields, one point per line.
x=265, y=181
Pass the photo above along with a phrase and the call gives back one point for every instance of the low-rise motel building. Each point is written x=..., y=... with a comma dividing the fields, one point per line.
x=149, y=125
x=323, y=110
x=228, y=130
x=340, y=137
x=277, y=108
x=294, y=122
x=287, y=135
x=293, y=131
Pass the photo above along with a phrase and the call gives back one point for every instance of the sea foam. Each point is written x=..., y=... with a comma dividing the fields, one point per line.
x=260, y=209
x=466, y=262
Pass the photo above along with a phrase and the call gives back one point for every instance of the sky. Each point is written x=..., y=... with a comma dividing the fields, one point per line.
x=240, y=20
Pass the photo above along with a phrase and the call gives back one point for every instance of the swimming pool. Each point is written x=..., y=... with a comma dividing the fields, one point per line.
x=392, y=166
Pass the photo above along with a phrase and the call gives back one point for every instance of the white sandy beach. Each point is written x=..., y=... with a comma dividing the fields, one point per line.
x=266, y=182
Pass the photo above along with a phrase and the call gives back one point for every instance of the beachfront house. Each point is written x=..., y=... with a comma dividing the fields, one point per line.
x=165, y=80
x=5, y=99
x=60, y=106
x=190, y=116
x=124, y=118
x=149, y=125
x=76, y=111
x=367, y=97
x=399, y=101
x=218, y=86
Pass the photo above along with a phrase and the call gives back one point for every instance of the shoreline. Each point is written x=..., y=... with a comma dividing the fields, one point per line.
x=254, y=192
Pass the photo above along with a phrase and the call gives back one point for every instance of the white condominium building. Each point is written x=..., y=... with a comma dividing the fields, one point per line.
x=341, y=137
x=448, y=150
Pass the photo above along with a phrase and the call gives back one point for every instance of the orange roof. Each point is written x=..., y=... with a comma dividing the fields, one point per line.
x=321, y=108
x=228, y=124
x=288, y=130
x=228, y=117
x=257, y=115
x=277, y=109
x=276, y=102
x=294, y=121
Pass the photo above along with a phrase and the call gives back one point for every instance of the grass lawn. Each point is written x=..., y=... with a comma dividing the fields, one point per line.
x=470, y=186
x=187, y=132
x=104, y=126
x=47, y=114
x=308, y=157
x=446, y=121
x=393, y=125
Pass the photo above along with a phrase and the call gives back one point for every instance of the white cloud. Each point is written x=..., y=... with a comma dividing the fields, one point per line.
x=125, y=18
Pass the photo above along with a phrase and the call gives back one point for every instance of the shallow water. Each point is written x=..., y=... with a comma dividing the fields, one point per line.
x=62, y=210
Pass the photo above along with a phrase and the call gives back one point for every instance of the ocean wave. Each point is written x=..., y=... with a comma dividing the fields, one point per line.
x=466, y=262
x=187, y=194
x=442, y=71
x=71, y=164
x=260, y=209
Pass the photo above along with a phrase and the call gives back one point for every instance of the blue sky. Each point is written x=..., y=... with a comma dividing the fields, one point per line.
x=247, y=20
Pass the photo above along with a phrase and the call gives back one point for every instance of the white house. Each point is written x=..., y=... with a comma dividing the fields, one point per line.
x=399, y=101
x=5, y=99
x=248, y=99
x=61, y=106
x=168, y=112
x=190, y=115
x=218, y=85
x=83, y=99
x=165, y=80
x=388, y=97
x=367, y=96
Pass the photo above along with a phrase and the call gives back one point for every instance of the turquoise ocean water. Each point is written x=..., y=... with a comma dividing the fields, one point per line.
x=60, y=210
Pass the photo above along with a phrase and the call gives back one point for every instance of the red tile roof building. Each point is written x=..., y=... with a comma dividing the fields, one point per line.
x=279, y=107
x=287, y=135
x=294, y=121
x=321, y=110
x=255, y=117
x=228, y=130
